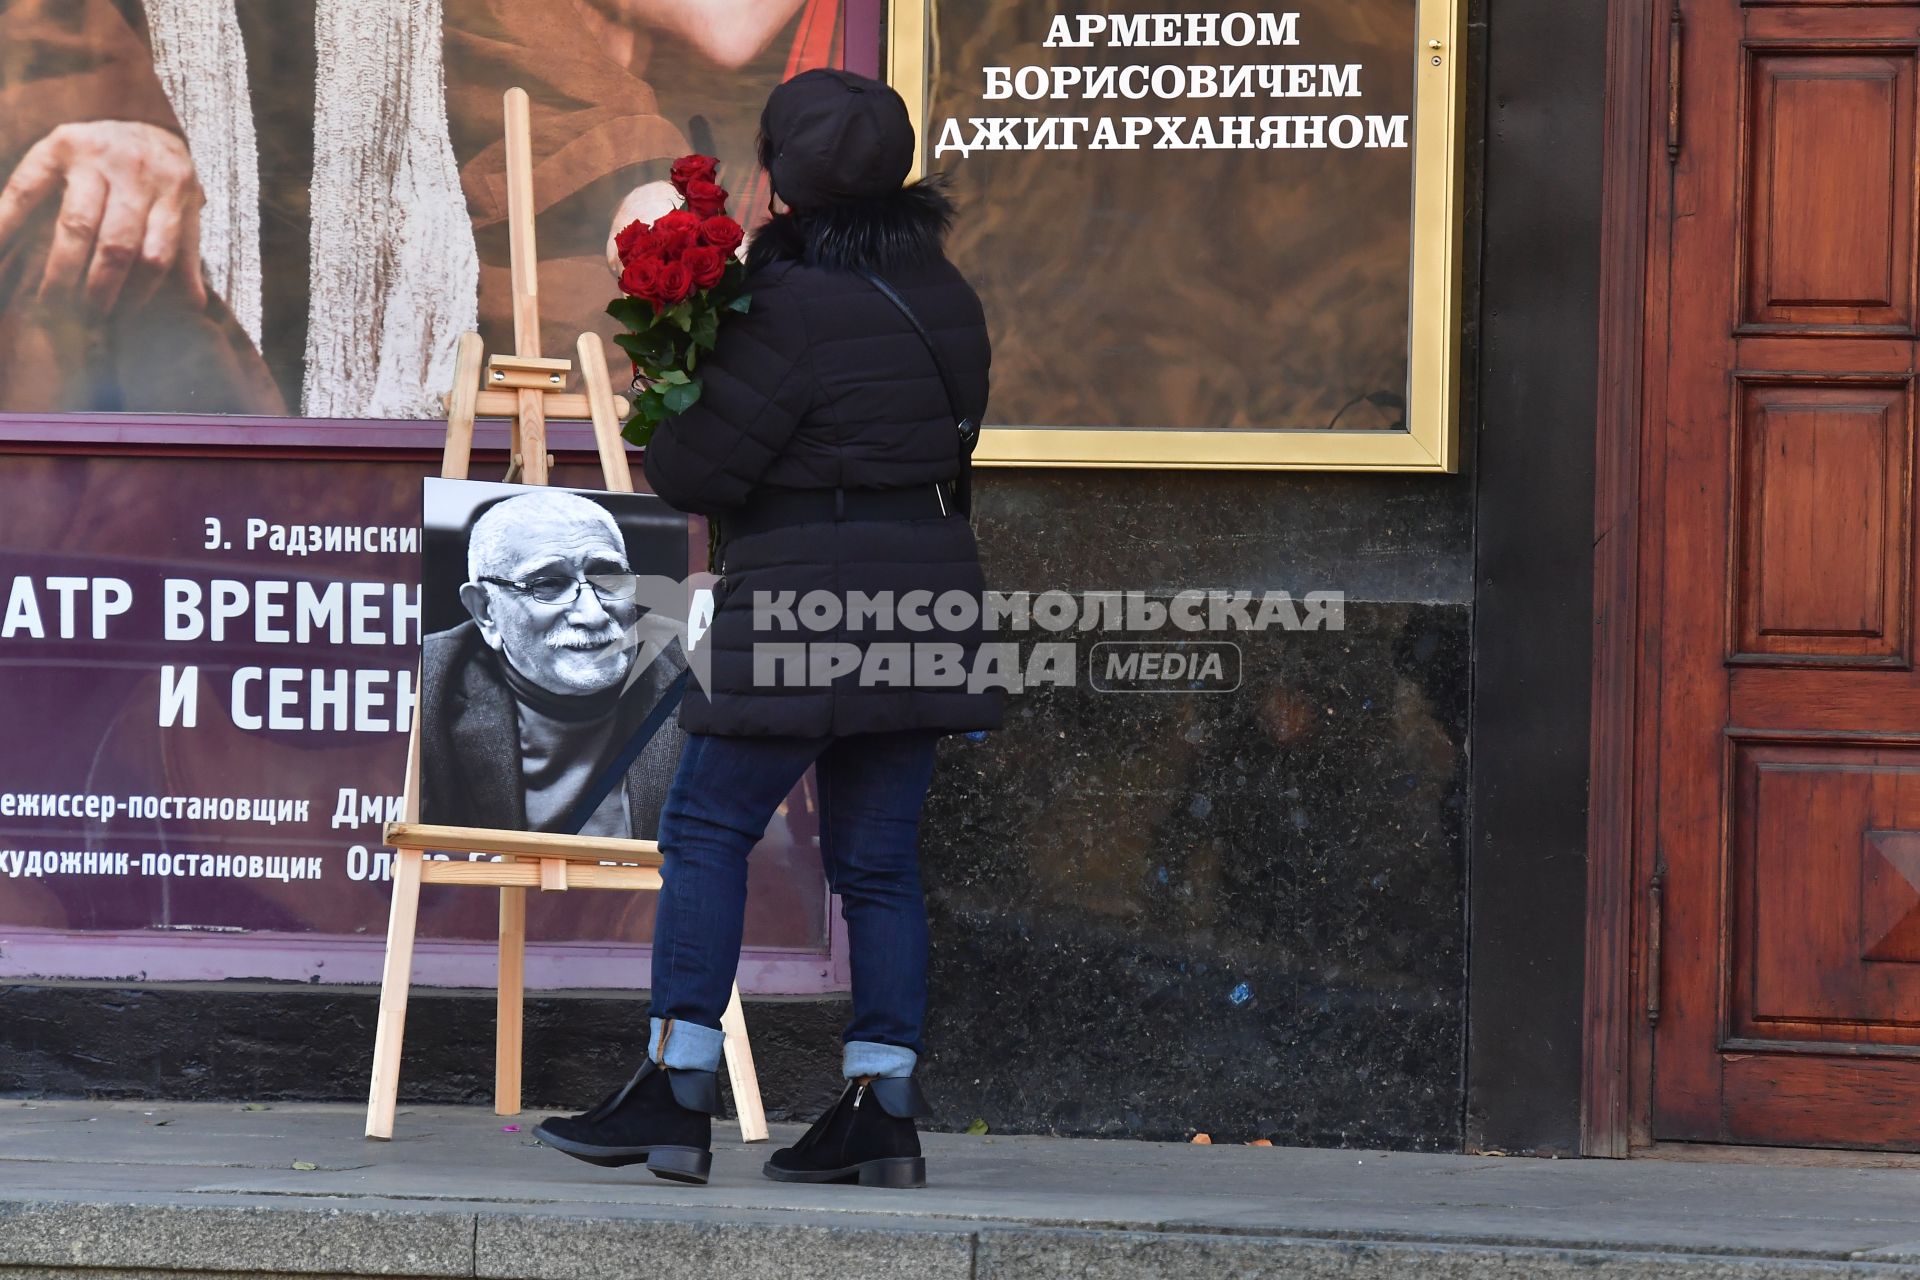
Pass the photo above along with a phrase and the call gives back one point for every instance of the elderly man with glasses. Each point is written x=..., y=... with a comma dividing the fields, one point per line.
x=531, y=701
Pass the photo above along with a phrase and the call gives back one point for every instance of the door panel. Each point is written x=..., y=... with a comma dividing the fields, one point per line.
x=1787, y=830
x=1826, y=922
x=1830, y=176
x=1820, y=523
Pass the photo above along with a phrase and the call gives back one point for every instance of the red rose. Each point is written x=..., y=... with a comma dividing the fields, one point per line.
x=723, y=233
x=688, y=169
x=643, y=245
x=705, y=199
x=678, y=220
x=641, y=279
x=706, y=263
x=633, y=233
x=675, y=233
x=676, y=283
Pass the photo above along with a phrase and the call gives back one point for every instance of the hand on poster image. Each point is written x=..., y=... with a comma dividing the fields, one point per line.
x=680, y=274
x=128, y=217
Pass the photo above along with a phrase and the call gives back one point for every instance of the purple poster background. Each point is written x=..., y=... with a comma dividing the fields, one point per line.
x=223, y=651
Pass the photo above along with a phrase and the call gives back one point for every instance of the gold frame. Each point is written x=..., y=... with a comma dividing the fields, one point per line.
x=1431, y=441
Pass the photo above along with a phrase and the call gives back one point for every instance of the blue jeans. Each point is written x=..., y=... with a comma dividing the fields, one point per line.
x=872, y=787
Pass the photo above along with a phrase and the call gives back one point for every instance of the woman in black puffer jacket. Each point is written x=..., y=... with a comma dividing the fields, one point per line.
x=827, y=448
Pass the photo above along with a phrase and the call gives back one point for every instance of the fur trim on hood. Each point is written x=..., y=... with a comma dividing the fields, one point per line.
x=890, y=233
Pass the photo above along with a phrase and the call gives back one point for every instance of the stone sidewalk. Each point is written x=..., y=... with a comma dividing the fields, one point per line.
x=131, y=1191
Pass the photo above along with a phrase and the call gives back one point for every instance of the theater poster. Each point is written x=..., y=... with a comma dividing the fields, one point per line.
x=1219, y=235
x=209, y=688
x=316, y=189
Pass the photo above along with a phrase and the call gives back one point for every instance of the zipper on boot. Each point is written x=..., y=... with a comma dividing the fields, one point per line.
x=846, y=1139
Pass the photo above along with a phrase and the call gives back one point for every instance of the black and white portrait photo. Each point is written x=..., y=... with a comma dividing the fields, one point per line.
x=541, y=660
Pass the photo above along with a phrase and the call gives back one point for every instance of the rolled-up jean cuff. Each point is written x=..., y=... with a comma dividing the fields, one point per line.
x=871, y=1058
x=691, y=1047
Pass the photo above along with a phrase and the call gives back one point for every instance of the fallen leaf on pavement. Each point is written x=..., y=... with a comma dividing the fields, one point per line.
x=305, y=1166
x=1202, y=1139
x=978, y=1126
x=1260, y=1142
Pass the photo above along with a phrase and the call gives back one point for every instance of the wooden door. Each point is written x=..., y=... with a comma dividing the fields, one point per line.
x=1784, y=918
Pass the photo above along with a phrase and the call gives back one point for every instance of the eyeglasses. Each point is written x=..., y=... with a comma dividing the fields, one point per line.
x=556, y=590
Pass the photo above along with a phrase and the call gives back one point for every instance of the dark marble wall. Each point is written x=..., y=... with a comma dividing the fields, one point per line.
x=1238, y=913
x=270, y=1041
x=1370, y=928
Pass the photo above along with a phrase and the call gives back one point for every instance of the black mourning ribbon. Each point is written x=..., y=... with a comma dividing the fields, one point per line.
x=611, y=776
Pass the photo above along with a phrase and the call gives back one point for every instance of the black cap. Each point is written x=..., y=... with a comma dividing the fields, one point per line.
x=836, y=136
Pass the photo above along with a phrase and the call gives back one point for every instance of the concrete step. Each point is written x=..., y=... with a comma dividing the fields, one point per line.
x=129, y=1191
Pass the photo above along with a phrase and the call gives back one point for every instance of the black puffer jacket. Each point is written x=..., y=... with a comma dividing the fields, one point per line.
x=824, y=384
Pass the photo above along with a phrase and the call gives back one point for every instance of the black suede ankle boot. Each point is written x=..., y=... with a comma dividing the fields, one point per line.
x=663, y=1117
x=866, y=1137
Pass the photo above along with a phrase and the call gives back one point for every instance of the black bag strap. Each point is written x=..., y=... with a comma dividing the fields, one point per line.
x=969, y=428
x=614, y=774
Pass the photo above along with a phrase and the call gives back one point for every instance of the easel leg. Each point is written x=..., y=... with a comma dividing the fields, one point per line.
x=458, y=450
x=740, y=1072
x=532, y=437
x=395, y=977
x=507, y=1055
x=606, y=421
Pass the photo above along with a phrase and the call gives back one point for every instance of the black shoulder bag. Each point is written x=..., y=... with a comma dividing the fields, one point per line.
x=968, y=427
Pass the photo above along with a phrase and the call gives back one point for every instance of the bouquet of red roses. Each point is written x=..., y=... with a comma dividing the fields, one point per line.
x=678, y=276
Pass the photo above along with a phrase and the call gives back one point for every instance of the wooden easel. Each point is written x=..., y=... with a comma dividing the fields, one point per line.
x=528, y=390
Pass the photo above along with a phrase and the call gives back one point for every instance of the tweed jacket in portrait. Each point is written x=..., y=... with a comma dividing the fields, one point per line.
x=470, y=738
